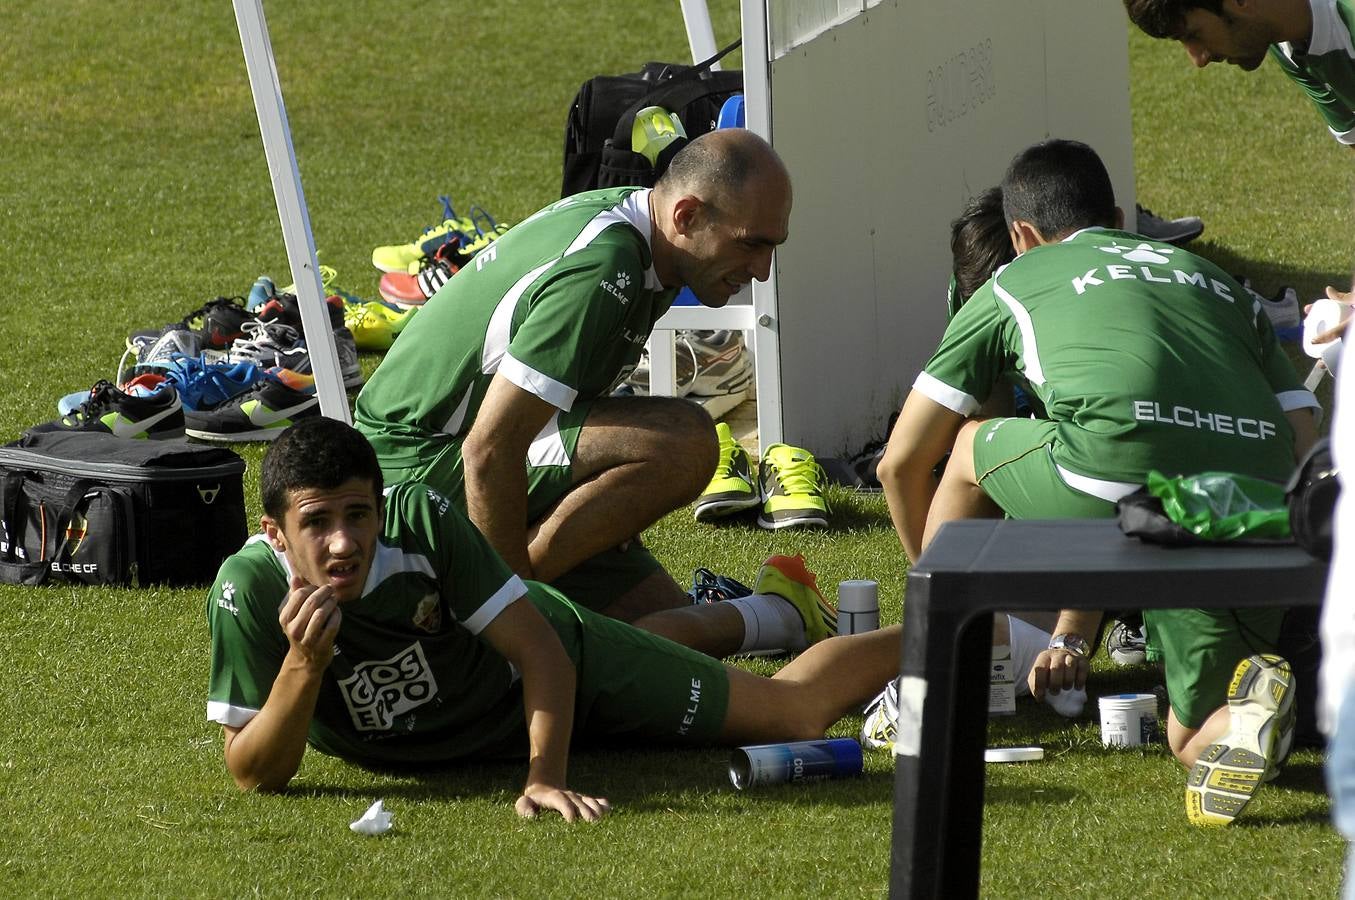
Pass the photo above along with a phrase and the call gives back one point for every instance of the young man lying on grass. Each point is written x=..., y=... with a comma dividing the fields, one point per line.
x=387, y=631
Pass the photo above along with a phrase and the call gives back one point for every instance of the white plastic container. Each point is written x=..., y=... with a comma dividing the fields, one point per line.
x=1128, y=720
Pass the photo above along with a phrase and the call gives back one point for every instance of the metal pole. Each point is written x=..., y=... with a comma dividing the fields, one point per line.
x=700, y=33
x=296, y=223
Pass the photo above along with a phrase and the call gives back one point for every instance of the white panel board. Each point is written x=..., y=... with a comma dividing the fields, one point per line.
x=890, y=122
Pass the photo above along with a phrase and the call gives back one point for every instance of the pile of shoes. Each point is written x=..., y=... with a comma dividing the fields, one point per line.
x=238, y=368
x=417, y=270
x=787, y=489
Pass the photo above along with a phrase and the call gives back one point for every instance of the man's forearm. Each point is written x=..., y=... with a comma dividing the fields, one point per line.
x=496, y=501
x=909, y=492
x=267, y=752
x=548, y=685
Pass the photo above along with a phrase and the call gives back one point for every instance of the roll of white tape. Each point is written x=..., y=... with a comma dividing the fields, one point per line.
x=1325, y=315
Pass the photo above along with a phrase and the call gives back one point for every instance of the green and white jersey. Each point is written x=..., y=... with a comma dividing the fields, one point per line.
x=1325, y=68
x=561, y=306
x=1146, y=357
x=410, y=682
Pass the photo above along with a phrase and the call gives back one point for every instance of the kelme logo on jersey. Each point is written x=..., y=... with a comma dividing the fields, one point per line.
x=441, y=502
x=1143, y=253
x=1146, y=256
x=622, y=282
x=227, y=599
x=378, y=692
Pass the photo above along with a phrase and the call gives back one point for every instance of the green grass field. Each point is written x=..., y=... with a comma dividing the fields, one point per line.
x=133, y=187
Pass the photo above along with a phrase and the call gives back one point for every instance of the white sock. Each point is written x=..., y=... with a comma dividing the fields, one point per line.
x=1028, y=642
x=770, y=623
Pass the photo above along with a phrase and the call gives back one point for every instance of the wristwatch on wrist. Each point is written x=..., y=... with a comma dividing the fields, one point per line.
x=1073, y=643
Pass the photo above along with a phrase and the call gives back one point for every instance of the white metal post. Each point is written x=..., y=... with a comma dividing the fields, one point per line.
x=700, y=33
x=291, y=202
x=757, y=92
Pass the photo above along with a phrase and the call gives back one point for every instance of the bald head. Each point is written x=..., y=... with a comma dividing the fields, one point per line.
x=719, y=210
x=719, y=167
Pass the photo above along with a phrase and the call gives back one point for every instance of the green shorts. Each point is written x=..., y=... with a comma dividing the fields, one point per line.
x=595, y=583
x=1014, y=463
x=633, y=685
x=1201, y=648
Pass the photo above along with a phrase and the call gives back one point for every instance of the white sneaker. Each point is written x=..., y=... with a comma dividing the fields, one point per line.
x=881, y=727
x=1261, y=724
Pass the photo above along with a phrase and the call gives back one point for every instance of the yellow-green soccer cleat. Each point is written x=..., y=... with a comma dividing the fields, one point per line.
x=375, y=325
x=732, y=489
x=787, y=577
x=407, y=257
x=792, y=489
x=1229, y=771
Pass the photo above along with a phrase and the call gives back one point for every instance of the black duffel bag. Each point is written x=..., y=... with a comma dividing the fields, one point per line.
x=91, y=508
x=598, y=133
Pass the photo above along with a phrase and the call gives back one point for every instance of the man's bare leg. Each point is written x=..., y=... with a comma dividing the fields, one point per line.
x=637, y=459
x=831, y=679
x=715, y=629
x=959, y=496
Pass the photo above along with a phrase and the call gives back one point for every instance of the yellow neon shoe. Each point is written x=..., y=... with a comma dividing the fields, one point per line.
x=787, y=577
x=401, y=257
x=733, y=488
x=375, y=325
x=1261, y=722
x=792, y=489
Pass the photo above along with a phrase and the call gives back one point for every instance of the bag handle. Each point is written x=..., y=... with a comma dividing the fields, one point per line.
x=33, y=573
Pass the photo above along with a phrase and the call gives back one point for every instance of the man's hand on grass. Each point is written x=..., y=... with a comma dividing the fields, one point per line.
x=569, y=804
x=1057, y=670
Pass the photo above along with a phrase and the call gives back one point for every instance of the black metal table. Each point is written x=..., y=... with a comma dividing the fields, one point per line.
x=975, y=567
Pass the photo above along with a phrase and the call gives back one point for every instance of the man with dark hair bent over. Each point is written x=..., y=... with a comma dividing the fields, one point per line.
x=1145, y=357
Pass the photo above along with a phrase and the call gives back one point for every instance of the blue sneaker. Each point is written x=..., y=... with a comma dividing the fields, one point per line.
x=202, y=385
x=262, y=291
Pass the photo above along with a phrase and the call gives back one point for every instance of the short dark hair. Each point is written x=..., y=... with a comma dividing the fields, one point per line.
x=315, y=453
x=1059, y=187
x=979, y=244
x=1166, y=18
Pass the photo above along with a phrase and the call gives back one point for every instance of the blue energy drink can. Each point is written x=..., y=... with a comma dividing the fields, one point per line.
x=795, y=761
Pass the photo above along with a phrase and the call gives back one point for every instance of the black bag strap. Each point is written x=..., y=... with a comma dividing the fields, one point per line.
x=33, y=573
x=674, y=93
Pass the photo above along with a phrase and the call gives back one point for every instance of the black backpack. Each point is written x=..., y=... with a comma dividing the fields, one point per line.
x=598, y=135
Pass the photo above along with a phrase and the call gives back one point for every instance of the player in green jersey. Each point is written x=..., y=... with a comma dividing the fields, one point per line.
x=1311, y=41
x=1144, y=357
x=388, y=632
x=514, y=359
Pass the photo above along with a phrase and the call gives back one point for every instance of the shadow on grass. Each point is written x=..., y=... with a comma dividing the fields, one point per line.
x=1268, y=276
x=638, y=778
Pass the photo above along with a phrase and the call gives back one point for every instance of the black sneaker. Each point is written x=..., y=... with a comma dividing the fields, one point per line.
x=260, y=413
x=707, y=587
x=215, y=325
x=1173, y=231
x=156, y=416
x=1126, y=643
x=285, y=308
